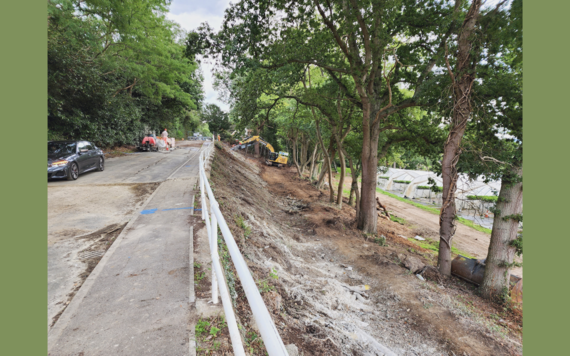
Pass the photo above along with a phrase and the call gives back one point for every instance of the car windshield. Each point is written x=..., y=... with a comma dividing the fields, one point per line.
x=61, y=148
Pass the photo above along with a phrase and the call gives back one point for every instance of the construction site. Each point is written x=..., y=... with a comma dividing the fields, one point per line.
x=331, y=289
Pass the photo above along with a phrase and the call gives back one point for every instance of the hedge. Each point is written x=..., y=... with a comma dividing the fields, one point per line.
x=403, y=181
x=435, y=189
x=485, y=198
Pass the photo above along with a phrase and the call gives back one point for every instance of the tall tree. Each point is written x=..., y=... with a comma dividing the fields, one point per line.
x=218, y=120
x=115, y=70
x=367, y=51
x=498, y=147
x=462, y=79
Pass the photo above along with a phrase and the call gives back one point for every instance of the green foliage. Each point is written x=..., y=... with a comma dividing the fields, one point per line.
x=397, y=219
x=515, y=217
x=273, y=273
x=254, y=343
x=214, y=331
x=202, y=327
x=383, y=177
x=263, y=284
x=403, y=181
x=485, y=198
x=242, y=224
x=432, y=188
x=198, y=275
x=115, y=72
x=432, y=245
x=226, y=261
x=380, y=240
x=265, y=287
x=218, y=120
x=518, y=244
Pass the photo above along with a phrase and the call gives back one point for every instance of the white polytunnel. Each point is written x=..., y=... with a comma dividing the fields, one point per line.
x=396, y=180
x=412, y=190
x=386, y=180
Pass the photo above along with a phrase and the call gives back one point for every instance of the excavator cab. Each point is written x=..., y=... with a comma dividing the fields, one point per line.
x=277, y=158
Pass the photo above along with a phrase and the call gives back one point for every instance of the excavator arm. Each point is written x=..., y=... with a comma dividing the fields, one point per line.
x=274, y=158
x=260, y=140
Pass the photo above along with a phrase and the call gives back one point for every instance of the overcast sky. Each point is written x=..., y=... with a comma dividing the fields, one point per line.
x=190, y=14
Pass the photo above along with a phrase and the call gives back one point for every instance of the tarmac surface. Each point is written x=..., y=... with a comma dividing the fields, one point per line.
x=136, y=301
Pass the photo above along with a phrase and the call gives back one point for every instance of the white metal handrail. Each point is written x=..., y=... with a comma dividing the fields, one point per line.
x=273, y=343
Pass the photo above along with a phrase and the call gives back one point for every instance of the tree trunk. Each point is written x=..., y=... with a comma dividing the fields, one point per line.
x=341, y=178
x=354, y=186
x=308, y=161
x=313, y=156
x=304, y=148
x=368, y=216
x=330, y=176
x=462, y=82
x=327, y=158
x=327, y=162
x=294, y=137
x=501, y=254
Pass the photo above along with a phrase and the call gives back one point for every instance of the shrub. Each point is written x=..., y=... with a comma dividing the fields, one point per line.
x=383, y=177
x=403, y=181
x=435, y=189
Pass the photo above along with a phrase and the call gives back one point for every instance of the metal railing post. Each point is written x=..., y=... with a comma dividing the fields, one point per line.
x=202, y=189
x=214, y=249
x=215, y=220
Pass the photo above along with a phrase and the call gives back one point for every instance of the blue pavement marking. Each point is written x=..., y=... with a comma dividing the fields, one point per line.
x=196, y=209
x=189, y=165
x=152, y=211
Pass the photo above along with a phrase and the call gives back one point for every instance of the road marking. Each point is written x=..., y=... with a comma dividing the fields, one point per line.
x=152, y=211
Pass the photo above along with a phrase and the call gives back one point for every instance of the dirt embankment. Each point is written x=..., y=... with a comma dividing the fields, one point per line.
x=475, y=243
x=310, y=261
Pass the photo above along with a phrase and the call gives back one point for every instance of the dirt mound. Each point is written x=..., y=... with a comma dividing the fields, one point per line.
x=342, y=292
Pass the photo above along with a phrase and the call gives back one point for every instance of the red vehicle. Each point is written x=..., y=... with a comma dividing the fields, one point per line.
x=148, y=144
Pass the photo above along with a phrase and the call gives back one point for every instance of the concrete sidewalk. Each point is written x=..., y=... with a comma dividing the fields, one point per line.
x=136, y=301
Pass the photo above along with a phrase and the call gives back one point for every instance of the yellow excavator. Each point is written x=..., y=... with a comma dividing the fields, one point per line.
x=278, y=159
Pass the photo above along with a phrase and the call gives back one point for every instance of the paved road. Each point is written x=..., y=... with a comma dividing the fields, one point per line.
x=136, y=301
x=144, y=167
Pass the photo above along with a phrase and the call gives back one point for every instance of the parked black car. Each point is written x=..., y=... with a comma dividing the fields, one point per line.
x=68, y=159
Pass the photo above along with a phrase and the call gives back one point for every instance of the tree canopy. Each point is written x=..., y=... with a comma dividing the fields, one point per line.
x=116, y=70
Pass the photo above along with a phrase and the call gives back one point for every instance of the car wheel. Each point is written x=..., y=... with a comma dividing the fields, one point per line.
x=101, y=166
x=73, y=171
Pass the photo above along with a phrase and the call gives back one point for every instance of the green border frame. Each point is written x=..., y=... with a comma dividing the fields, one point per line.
x=23, y=99
x=546, y=242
